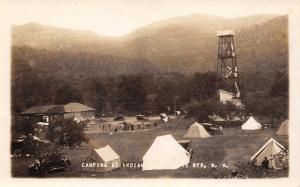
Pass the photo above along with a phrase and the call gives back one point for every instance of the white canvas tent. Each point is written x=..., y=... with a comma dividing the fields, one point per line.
x=251, y=124
x=284, y=128
x=103, y=159
x=165, y=153
x=271, y=149
x=196, y=131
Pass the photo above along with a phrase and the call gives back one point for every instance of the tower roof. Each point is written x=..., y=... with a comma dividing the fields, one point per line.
x=225, y=33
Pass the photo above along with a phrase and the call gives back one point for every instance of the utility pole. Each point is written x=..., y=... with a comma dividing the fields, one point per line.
x=175, y=103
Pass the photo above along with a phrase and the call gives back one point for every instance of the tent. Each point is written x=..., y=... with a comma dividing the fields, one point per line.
x=284, y=128
x=165, y=153
x=271, y=149
x=196, y=131
x=102, y=160
x=251, y=124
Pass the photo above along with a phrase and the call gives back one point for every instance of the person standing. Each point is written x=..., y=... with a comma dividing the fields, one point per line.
x=265, y=165
x=191, y=153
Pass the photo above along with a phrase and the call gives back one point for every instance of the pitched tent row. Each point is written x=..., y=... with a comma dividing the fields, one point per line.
x=166, y=153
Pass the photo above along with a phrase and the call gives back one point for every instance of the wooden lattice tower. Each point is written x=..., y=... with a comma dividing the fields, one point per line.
x=227, y=67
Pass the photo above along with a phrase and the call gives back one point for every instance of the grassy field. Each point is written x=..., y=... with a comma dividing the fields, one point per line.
x=233, y=147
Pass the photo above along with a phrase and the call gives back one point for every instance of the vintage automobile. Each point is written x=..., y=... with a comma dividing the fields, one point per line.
x=25, y=145
x=141, y=118
x=18, y=144
x=45, y=165
x=119, y=118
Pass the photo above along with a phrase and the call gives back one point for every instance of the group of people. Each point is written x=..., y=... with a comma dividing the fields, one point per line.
x=130, y=127
x=126, y=127
x=264, y=166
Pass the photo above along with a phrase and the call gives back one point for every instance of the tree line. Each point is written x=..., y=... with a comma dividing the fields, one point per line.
x=41, y=80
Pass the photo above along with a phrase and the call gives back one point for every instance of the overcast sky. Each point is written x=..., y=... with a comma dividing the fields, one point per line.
x=118, y=17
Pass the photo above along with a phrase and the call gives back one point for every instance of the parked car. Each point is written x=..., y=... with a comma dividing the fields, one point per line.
x=141, y=117
x=26, y=145
x=49, y=164
x=18, y=146
x=119, y=118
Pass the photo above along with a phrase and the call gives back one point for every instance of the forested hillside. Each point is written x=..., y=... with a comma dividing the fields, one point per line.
x=147, y=69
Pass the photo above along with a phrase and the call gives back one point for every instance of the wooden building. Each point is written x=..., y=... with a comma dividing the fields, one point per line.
x=47, y=113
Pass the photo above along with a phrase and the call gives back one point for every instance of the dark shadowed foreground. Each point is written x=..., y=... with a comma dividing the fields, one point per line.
x=234, y=147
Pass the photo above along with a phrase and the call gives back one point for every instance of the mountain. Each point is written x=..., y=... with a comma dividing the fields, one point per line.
x=189, y=44
x=58, y=39
x=183, y=44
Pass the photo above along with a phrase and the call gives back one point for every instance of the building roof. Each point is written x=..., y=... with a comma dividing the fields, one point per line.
x=77, y=107
x=57, y=109
x=37, y=110
x=69, y=108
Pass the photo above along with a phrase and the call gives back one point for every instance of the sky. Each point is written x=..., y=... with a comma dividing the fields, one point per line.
x=119, y=17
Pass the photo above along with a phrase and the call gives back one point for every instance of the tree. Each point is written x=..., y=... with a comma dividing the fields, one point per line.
x=130, y=94
x=276, y=103
x=21, y=125
x=165, y=97
x=202, y=110
x=203, y=86
x=280, y=86
x=101, y=95
x=67, y=132
x=275, y=108
x=254, y=101
x=67, y=93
